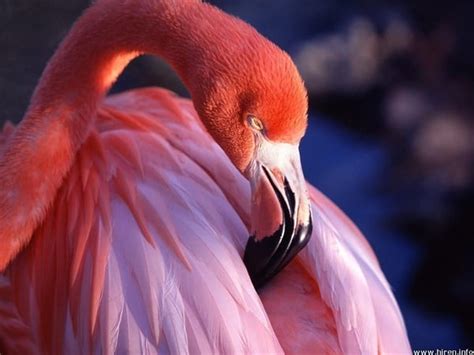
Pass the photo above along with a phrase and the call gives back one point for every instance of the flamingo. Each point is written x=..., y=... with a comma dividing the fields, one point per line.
x=125, y=220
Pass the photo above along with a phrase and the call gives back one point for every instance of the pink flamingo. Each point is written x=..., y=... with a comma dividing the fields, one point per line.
x=124, y=220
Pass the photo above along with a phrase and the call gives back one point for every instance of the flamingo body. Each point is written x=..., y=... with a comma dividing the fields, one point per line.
x=124, y=220
x=141, y=252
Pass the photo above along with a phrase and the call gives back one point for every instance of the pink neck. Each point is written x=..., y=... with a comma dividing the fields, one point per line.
x=99, y=46
x=187, y=33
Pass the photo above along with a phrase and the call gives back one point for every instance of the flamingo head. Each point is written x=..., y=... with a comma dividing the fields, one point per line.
x=254, y=104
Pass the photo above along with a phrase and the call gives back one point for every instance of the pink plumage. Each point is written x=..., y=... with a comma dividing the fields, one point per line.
x=142, y=252
x=134, y=223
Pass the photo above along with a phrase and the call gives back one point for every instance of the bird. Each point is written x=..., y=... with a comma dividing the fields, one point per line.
x=143, y=222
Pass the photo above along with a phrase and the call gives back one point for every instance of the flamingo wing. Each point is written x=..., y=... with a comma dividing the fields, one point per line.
x=141, y=250
x=351, y=282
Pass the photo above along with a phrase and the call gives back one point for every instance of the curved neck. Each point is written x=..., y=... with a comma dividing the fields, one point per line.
x=102, y=43
x=187, y=33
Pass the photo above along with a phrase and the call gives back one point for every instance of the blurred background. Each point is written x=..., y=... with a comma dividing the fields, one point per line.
x=391, y=133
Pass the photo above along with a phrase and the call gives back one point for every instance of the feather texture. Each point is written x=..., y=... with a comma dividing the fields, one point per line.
x=142, y=249
x=352, y=284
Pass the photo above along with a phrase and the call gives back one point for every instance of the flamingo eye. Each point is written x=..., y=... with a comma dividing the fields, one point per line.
x=255, y=123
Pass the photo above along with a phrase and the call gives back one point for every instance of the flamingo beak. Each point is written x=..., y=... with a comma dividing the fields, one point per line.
x=280, y=213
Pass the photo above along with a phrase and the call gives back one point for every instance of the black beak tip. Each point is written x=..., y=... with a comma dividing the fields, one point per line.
x=267, y=257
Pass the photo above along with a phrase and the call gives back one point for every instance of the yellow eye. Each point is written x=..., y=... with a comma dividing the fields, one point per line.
x=255, y=123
